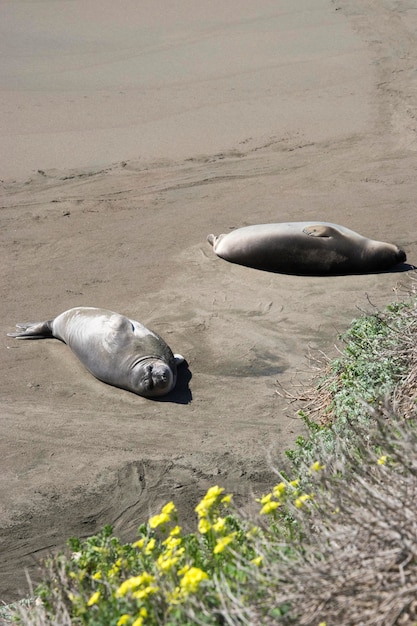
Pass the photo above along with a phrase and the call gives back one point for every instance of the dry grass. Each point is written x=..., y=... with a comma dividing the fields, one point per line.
x=357, y=565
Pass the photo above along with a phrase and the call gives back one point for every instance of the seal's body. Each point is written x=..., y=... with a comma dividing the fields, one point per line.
x=315, y=248
x=115, y=349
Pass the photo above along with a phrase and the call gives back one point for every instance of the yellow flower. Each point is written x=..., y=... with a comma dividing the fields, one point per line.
x=223, y=542
x=299, y=502
x=164, y=516
x=139, y=620
x=219, y=525
x=97, y=576
x=139, y=543
x=192, y=579
x=168, y=508
x=203, y=526
x=294, y=483
x=214, y=492
x=174, y=597
x=115, y=569
x=317, y=466
x=279, y=489
x=150, y=546
x=141, y=594
x=94, y=598
x=227, y=499
x=203, y=507
x=172, y=542
x=175, y=531
x=265, y=499
x=133, y=583
x=269, y=507
x=123, y=620
x=184, y=569
x=382, y=460
x=165, y=563
x=257, y=560
x=158, y=520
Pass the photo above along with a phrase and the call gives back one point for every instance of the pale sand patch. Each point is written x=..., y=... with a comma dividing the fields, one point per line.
x=85, y=84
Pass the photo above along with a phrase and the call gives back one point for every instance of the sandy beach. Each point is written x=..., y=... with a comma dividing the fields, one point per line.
x=129, y=132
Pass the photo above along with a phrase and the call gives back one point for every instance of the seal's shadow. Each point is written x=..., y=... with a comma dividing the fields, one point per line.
x=400, y=267
x=181, y=394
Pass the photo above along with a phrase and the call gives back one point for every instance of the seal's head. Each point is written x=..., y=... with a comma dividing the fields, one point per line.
x=400, y=256
x=384, y=255
x=152, y=377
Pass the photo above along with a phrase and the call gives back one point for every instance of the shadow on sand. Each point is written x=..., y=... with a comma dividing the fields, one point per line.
x=181, y=394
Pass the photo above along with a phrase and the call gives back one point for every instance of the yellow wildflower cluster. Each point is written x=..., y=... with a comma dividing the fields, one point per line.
x=211, y=522
x=164, y=517
x=113, y=571
x=146, y=544
x=222, y=542
x=126, y=619
x=190, y=580
x=211, y=498
x=94, y=598
x=139, y=587
x=268, y=504
x=302, y=499
x=173, y=551
x=282, y=491
x=166, y=570
x=317, y=467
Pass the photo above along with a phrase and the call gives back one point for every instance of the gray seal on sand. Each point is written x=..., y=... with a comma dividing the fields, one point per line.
x=115, y=349
x=306, y=248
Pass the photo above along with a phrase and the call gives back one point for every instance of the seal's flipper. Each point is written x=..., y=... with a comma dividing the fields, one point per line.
x=319, y=231
x=33, y=330
x=211, y=239
x=179, y=359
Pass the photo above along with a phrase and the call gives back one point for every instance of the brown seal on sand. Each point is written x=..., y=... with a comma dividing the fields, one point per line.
x=307, y=248
x=115, y=349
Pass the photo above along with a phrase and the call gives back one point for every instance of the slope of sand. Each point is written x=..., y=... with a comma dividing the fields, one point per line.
x=128, y=136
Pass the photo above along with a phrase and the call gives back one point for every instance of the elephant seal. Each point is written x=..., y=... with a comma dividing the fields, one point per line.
x=115, y=349
x=306, y=248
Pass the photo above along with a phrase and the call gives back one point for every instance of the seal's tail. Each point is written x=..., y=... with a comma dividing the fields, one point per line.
x=33, y=330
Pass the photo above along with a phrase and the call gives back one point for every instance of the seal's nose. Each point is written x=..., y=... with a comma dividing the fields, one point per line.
x=159, y=378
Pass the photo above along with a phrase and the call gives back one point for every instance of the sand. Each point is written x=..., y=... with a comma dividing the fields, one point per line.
x=130, y=131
